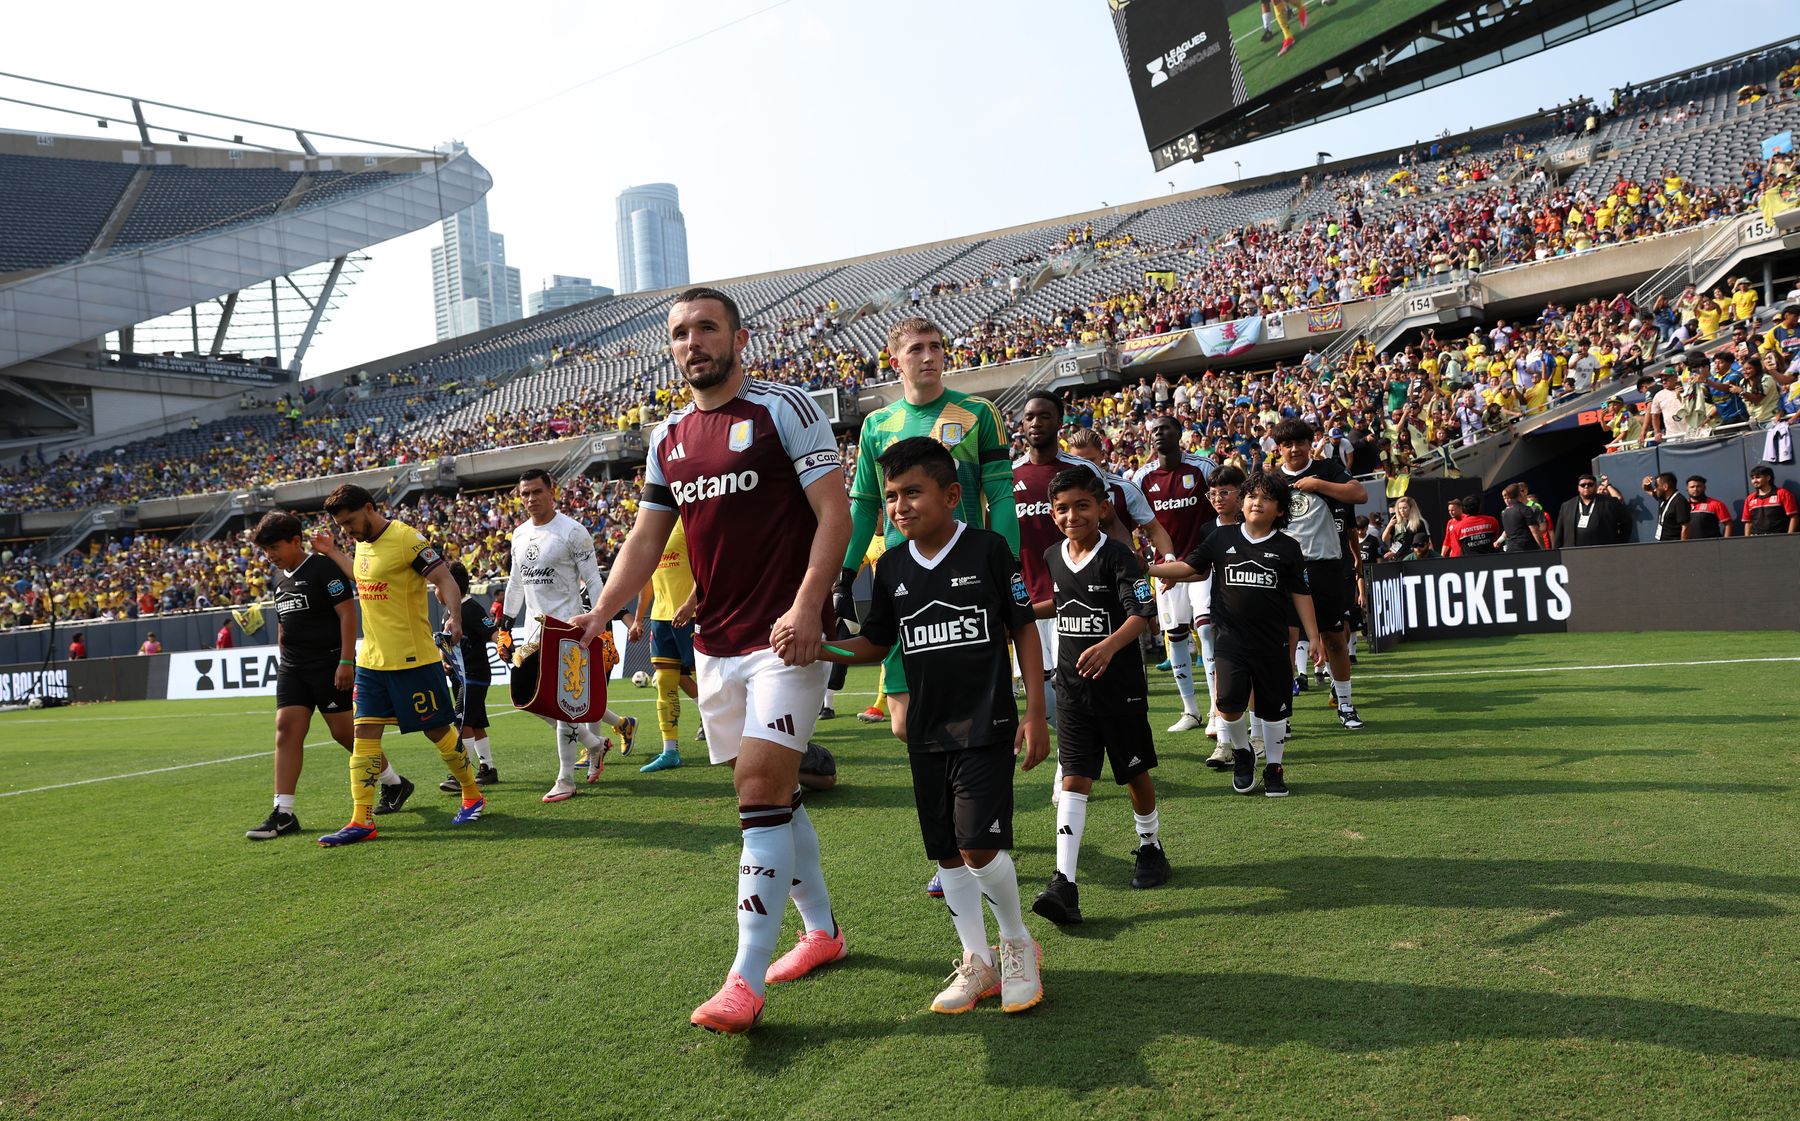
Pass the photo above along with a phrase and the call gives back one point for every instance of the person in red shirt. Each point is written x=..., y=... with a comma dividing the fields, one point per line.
x=1707, y=516
x=1769, y=508
x=1475, y=533
x=223, y=641
x=78, y=647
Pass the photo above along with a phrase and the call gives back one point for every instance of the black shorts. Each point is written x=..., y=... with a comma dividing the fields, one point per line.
x=1236, y=674
x=1083, y=735
x=965, y=799
x=311, y=687
x=1328, y=582
x=475, y=705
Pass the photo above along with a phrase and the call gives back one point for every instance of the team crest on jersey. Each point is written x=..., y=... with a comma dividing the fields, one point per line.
x=1299, y=505
x=573, y=663
x=1019, y=593
x=531, y=551
x=742, y=433
x=951, y=434
x=335, y=587
x=1187, y=481
x=1140, y=590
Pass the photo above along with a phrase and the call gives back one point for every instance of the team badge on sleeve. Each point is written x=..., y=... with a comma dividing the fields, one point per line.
x=742, y=433
x=336, y=588
x=1020, y=595
x=1140, y=590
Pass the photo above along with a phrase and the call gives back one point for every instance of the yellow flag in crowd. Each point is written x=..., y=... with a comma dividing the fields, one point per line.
x=1163, y=278
x=250, y=619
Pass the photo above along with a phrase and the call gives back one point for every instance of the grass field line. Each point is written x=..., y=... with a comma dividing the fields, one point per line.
x=1568, y=669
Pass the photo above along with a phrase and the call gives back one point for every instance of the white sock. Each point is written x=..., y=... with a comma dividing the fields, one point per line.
x=284, y=803
x=583, y=734
x=484, y=749
x=1341, y=691
x=1147, y=827
x=1265, y=16
x=1071, y=819
x=568, y=749
x=1181, y=665
x=808, y=889
x=391, y=777
x=765, y=872
x=830, y=696
x=612, y=718
x=962, y=898
x=1274, y=739
x=1206, y=664
x=672, y=745
x=1000, y=883
x=1056, y=790
x=1301, y=651
x=1353, y=637
x=1235, y=734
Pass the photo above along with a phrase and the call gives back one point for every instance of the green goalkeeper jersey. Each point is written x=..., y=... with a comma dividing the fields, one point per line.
x=970, y=427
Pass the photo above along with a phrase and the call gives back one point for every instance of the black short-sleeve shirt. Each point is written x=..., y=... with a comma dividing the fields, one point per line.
x=1092, y=601
x=306, y=601
x=478, y=628
x=952, y=617
x=1253, y=586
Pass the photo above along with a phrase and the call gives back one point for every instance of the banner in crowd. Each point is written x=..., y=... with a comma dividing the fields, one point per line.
x=1780, y=142
x=1146, y=347
x=1470, y=597
x=1325, y=319
x=1779, y=199
x=1233, y=337
x=1162, y=278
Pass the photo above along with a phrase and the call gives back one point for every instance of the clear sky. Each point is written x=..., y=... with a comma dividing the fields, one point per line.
x=810, y=130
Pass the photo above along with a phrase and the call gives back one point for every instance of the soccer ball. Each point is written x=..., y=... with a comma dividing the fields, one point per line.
x=36, y=701
x=640, y=679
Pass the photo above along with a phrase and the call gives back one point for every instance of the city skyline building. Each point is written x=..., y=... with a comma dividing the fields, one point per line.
x=472, y=286
x=560, y=291
x=652, y=237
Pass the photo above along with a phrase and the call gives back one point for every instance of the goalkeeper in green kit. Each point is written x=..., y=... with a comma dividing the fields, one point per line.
x=969, y=426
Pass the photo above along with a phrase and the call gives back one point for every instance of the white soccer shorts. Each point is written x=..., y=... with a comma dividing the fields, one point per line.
x=1047, y=642
x=755, y=696
x=1175, y=605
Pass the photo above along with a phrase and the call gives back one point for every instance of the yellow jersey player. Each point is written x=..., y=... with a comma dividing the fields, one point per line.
x=399, y=673
x=668, y=601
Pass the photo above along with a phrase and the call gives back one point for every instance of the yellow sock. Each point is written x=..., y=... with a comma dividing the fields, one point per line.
x=881, y=703
x=456, y=757
x=366, y=764
x=1281, y=20
x=668, y=703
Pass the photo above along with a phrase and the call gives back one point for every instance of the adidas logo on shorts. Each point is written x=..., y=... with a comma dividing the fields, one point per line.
x=783, y=724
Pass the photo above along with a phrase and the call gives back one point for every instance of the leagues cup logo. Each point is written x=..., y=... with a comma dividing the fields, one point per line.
x=573, y=667
x=1157, y=77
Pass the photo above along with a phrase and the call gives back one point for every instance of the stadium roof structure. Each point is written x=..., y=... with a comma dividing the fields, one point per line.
x=244, y=231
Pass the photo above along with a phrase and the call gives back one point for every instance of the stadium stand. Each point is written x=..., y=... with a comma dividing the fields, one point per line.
x=53, y=209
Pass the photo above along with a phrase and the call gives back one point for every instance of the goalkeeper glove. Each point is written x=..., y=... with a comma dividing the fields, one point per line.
x=843, y=602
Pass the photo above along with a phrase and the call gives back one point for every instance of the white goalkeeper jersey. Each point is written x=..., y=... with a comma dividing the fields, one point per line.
x=553, y=573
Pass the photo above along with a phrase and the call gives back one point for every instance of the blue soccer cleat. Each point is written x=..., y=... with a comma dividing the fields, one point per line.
x=935, y=888
x=627, y=730
x=1165, y=665
x=666, y=761
x=348, y=835
x=471, y=811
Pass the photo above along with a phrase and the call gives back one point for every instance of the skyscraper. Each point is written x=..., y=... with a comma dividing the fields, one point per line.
x=471, y=286
x=563, y=291
x=652, y=238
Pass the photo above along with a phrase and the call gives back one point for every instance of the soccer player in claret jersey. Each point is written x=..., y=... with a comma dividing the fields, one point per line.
x=554, y=573
x=1258, y=574
x=1102, y=606
x=316, y=625
x=752, y=470
x=949, y=599
x=399, y=672
x=1175, y=484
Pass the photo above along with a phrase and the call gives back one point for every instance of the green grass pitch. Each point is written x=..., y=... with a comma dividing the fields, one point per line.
x=1331, y=30
x=1522, y=892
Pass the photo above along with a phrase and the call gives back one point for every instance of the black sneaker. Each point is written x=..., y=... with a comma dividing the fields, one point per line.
x=1353, y=659
x=1348, y=718
x=1268, y=33
x=1059, y=902
x=1275, y=781
x=1152, y=867
x=395, y=796
x=1243, y=770
x=826, y=712
x=1301, y=685
x=486, y=775
x=449, y=785
x=278, y=823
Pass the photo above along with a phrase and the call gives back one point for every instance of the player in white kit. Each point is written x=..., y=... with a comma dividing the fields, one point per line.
x=552, y=562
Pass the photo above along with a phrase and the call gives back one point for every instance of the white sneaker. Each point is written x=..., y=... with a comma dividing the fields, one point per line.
x=1220, y=758
x=1212, y=726
x=561, y=792
x=1021, y=985
x=971, y=981
x=1187, y=723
